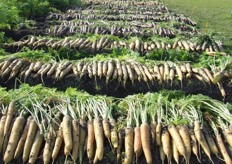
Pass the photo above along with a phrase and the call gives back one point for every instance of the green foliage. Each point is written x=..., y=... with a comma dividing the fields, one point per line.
x=32, y=8
x=9, y=14
x=172, y=55
x=13, y=11
x=62, y=4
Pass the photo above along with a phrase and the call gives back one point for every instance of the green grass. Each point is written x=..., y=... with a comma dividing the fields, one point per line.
x=211, y=15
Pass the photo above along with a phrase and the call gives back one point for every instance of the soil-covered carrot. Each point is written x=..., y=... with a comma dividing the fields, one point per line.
x=212, y=145
x=201, y=139
x=161, y=153
x=105, y=111
x=29, y=140
x=194, y=145
x=19, y=148
x=184, y=133
x=221, y=144
x=6, y=138
x=129, y=137
x=99, y=137
x=227, y=132
x=67, y=134
x=2, y=124
x=114, y=134
x=49, y=145
x=177, y=139
x=106, y=128
x=129, y=140
x=166, y=144
x=14, y=138
x=175, y=152
x=90, y=140
x=158, y=133
x=120, y=143
x=9, y=117
x=83, y=134
x=153, y=131
x=223, y=150
x=76, y=139
x=35, y=149
x=58, y=142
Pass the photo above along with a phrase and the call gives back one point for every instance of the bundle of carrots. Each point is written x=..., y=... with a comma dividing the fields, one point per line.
x=87, y=125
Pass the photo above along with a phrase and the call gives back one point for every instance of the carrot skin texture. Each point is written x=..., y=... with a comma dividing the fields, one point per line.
x=166, y=144
x=14, y=138
x=177, y=139
x=175, y=152
x=223, y=150
x=29, y=140
x=9, y=117
x=90, y=140
x=137, y=142
x=67, y=134
x=184, y=133
x=2, y=124
x=158, y=134
x=99, y=137
x=145, y=139
x=58, y=142
x=129, y=141
x=114, y=134
x=49, y=145
x=35, y=149
x=76, y=139
x=22, y=140
x=153, y=132
x=201, y=139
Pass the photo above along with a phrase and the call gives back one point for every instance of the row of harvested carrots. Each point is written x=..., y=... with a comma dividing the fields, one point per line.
x=163, y=18
x=122, y=71
x=112, y=30
x=26, y=136
x=181, y=27
x=106, y=43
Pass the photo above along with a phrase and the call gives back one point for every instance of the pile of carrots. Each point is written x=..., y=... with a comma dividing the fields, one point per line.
x=152, y=125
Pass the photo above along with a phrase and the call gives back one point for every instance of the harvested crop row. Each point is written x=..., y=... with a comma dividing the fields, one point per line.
x=131, y=71
x=163, y=18
x=106, y=43
x=181, y=28
x=65, y=125
x=59, y=30
x=115, y=11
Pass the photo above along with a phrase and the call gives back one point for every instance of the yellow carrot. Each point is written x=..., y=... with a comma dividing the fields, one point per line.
x=29, y=140
x=9, y=116
x=67, y=134
x=177, y=139
x=166, y=144
x=129, y=140
x=2, y=124
x=76, y=139
x=35, y=149
x=22, y=140
x=14, y=138
x=99, y=137
x=90, y=140
x=58, y=142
